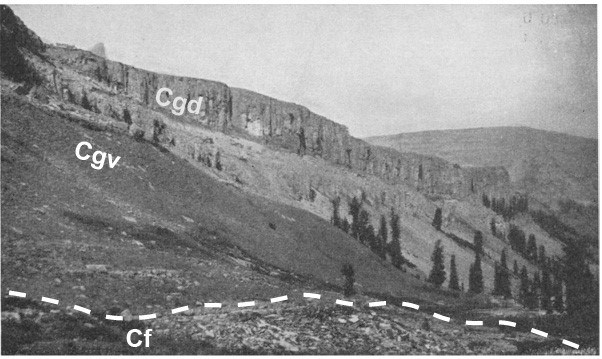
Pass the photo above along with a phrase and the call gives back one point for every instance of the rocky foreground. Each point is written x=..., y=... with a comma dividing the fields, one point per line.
x=294, y=327
x=324, y=329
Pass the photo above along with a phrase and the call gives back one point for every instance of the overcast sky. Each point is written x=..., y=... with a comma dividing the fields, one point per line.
x=377, y=69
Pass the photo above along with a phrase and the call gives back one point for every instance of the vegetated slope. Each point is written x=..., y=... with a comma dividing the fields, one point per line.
x=156, y=233
x=169, y=197
x=113, y=100
x=548, y=165
x=157, y=188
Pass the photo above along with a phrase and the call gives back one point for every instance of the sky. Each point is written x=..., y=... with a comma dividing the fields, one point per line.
x=378, y=69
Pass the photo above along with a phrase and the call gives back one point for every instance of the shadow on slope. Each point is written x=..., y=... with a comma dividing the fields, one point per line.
x=159, y=189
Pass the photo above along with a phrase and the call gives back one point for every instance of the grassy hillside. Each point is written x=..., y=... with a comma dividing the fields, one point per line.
x=157, y=189
x=156, y=232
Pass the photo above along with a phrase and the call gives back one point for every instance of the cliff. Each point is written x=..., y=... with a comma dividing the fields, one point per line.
x=128, y=94
x=295, y=128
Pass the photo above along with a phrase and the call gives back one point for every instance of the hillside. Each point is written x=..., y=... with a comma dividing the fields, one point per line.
x=229, y=205
x=157, y=233
x=548, y=165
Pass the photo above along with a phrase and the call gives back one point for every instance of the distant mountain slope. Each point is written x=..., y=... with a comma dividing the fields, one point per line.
x=549, y=165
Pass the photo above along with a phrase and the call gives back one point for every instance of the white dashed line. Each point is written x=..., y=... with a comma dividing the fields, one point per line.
x=50, y=300
x=344, y=302
x=441, y=317
x=410, y=305
x=81, y=309
x=279, y=299
x=312, y=295
x=507, y=323
x=570, y=344
x=178, y=310
x=285, y=297
x=539, y=332
x=16, y=294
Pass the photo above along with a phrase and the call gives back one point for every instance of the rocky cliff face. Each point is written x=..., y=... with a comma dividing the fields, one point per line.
x=295, y=128
x=16, y=42
x=141, y=86
x=127, y=93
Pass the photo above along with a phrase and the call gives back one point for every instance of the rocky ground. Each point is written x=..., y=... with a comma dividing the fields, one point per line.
x=295, y=327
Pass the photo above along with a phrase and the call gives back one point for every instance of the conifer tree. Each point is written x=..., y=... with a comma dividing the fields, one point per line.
x=504, y=279
x=486, y=201
x=383, y=237
x=478, y=242
x=335, y=219
x=354, y=210
x=475, y=275
x=535, y=291
x=581, y=290
x=364, y=222
x=349, y=274
x=371, y=239
x=546, y=290
x=394, y=246
x=496, y=280
x=521, y=242
x=453, y=276
x=345, y=226
x=437, y=221
x=437, y=275
x=218, y=160
x=542, y=259
x=532, y=249
x=127, y=118
x=558, y=296
x=523, y=295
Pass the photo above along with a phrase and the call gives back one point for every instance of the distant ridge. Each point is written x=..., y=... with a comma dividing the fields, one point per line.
x=481, y=128
x=548, y=164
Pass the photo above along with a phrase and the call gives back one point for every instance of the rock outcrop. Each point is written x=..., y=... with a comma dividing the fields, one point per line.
x=128, y=94
x=297, y=129
x=99, y=49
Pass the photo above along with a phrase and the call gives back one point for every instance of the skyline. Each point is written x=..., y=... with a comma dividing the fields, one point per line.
x=378, y=70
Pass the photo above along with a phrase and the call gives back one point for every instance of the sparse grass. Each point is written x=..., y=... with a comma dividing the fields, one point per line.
x=84, y=225
x=224, y=217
